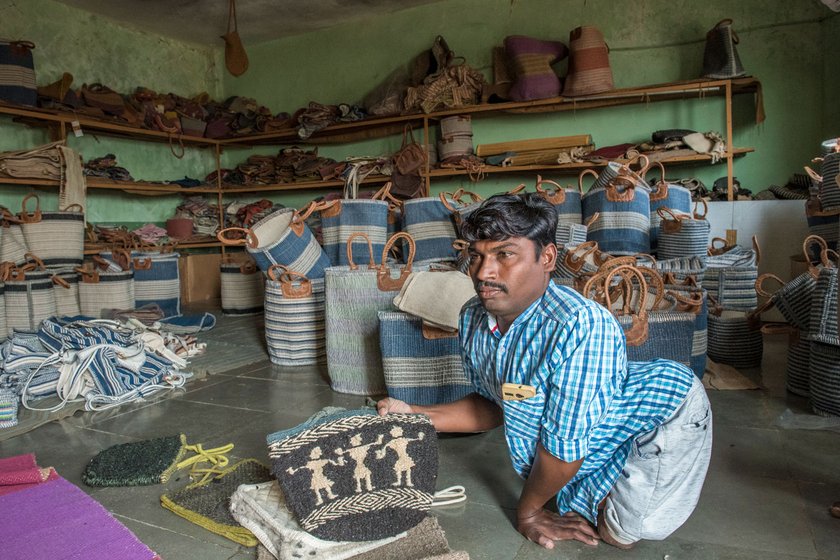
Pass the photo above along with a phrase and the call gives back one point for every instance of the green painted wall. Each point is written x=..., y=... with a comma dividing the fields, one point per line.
x=96, y=49
x=651, y=41
x=782, y=42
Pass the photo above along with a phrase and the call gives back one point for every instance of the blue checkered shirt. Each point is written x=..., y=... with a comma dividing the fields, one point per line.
x=590, y=402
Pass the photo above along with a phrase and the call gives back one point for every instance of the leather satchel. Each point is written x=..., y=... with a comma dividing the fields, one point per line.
x=409, y=161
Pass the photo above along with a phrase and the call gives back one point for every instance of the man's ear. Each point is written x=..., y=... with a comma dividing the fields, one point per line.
x=548, y=257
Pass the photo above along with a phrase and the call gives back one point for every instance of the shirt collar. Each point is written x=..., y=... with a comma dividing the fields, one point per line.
x=493, y=323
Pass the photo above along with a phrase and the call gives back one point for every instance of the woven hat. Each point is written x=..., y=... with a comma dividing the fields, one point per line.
x=207, y=502
x=355, y=475
x=152, y=461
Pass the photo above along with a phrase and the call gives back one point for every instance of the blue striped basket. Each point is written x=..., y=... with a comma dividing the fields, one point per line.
x=692, y=299
x=242, y=288
x=576, y=261
x=104, y=290
x=3, y=332
x=283, y=237
x=666, y=195
x=66, y=286
x=461, y=204
x=622, y=225
x=57, y=238
x=419, y=367
x=734, y=339
x=824, y=382
x=798, y=373
x=157, y=281
x=29, y=299
x=17, y=82
x=431, y=224
x=681, y=234
x=823, y=318
x=566, y=201
x=354, y=297
x=294, y=318
x=730, y=277
x=342, y=218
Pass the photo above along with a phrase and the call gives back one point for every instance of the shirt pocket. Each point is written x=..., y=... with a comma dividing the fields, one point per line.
x=523, y=418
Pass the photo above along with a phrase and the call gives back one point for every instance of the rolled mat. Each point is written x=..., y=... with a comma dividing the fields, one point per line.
x=207, y=503
x=58, y=521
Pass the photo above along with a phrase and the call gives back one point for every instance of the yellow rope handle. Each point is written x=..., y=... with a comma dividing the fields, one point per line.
x=217, y=456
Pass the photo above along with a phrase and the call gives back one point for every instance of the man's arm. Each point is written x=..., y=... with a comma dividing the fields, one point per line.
x=473, y=413
x=548, y=475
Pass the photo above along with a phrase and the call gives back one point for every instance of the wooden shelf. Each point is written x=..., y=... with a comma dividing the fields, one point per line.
x=384, y=126
x=575, y=167
x=89, y=250
x=140, y=187
x=301, y=185
x=46, y=117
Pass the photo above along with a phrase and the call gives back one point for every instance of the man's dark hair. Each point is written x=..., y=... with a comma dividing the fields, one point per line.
x=504, y=216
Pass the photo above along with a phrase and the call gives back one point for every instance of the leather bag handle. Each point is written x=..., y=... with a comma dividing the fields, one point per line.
x=384, y=280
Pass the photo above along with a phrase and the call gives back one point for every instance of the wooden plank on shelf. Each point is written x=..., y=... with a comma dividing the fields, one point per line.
x=534, y=144
x=142, y=187
x=545, y=157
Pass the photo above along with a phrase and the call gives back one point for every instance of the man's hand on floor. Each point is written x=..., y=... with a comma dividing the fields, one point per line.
x=544, y=527
x=389, y=405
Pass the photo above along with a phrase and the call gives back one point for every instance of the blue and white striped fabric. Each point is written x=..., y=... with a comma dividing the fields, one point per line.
x=431, y=225
x=667, y=195
x=683, y=268
x=590, y=402
x=734, y=340
x=294, y=325
x=345, y=217
x=418, y=370
x=157, y=280
x=566, y=201
x=699, y=337
x=22, y=366
x=110, y=356
x=3, y=332
x=621, y=228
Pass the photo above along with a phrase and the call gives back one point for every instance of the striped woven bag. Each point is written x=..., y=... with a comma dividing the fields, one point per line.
x=682, y=235
x=691, y=298
x=460, y=203
x=731, y=275
x=342, y=218
x=422, y=364
x=798, y=372
x=653, y=325
x=622, y=226
x=430, y=223
x=58, y=238
x=104, y=289
x=283, y=237
x=354, y=296
x=13, y=246
x=824, y=382
x=29, y=298
x=823, y=320
x=242, y=287
x=666, y=195
x=734, y=337
x=66, y=287
x=157, y=280
x=566, y=201
x=294, y=318
x=577, y=261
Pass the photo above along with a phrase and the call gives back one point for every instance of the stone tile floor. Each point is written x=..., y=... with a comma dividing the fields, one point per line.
x=766, y=495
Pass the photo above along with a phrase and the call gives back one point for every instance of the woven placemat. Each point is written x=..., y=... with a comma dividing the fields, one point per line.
x=355, y=475
x=138, y=463
x=207, y=503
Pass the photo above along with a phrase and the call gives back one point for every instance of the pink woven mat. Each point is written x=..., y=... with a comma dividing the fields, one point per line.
x=57, y=521
x=21, y=472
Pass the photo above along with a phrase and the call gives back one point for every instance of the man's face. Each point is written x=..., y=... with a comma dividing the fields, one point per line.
x=508, y=276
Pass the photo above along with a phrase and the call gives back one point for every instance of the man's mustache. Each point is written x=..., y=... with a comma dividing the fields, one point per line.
x=496, y=285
